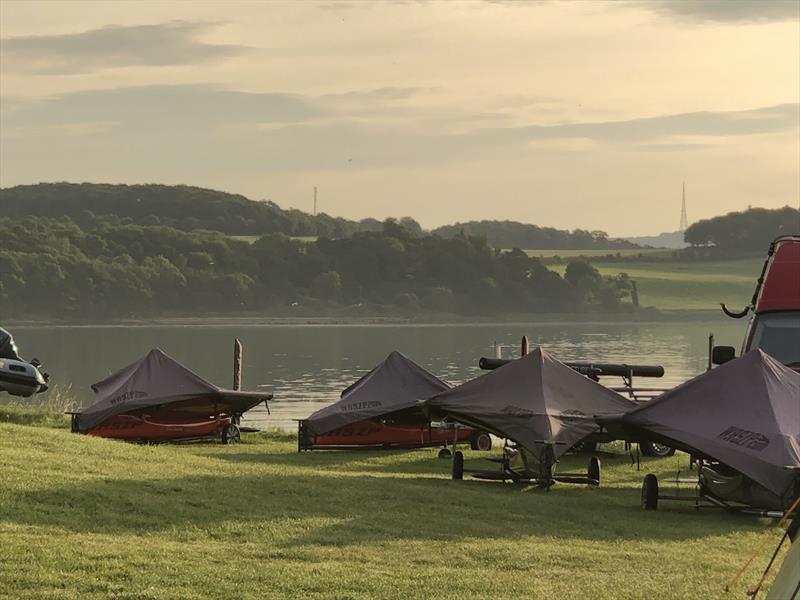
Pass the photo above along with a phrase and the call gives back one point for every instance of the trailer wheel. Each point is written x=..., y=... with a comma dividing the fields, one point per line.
x=649, y=448
x=444, y=453
x=650, y=492
x=481, y=441
x=231, y=434
x=593, y=471
x=458, y=466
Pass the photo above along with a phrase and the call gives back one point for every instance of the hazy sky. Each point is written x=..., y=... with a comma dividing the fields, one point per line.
x=566, y=114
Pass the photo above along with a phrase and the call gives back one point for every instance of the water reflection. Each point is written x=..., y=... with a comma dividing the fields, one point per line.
x=307, y=366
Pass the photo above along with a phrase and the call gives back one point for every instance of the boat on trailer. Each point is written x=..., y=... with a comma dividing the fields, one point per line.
x=156, y=399
x=382, y=410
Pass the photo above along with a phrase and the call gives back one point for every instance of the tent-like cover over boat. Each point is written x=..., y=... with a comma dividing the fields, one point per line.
x=394, y=386
x=382, y=409
x=744, y=414
x=534, y=400
x=156, y=390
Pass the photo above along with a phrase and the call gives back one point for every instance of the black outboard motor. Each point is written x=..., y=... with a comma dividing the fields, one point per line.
x=18, y=377
x=8, y=349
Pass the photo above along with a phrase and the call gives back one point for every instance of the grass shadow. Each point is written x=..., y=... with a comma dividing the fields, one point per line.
x=356, y=509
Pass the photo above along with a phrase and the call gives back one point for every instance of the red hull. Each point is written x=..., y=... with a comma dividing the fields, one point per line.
x=376, y=433
x=134, y=428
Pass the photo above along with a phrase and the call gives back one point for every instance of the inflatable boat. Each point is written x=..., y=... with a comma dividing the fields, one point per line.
x=21, y=378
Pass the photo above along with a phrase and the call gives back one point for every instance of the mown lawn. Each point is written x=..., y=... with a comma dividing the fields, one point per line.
x=89, y=518
x=687, y=285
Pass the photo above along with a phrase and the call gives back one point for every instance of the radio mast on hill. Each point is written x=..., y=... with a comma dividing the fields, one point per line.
x=315, y=201
x=684, y=220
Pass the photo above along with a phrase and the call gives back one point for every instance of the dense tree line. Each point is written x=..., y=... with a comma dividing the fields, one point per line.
x=749, y=230
x=106, y=267
x=511, y=234
x=191, y=208
x=181, y=207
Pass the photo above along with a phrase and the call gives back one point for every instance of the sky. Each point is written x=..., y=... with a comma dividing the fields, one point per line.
x=575, y=114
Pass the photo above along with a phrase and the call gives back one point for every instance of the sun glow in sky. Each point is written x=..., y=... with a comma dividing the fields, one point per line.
x=564, y=114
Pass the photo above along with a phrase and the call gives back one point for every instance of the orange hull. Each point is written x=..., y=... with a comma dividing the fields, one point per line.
x=134, y=428
x=376, y=433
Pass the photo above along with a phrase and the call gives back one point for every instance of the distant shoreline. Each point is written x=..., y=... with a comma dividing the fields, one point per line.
x=646, y=317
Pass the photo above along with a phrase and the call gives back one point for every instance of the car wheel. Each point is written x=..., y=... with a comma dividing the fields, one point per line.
x=650, y=492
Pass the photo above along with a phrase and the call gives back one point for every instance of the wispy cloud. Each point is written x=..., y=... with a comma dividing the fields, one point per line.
x=278, y=131
x=173, y=43
x=736, y=11
x=769, y=119
x=160, y=108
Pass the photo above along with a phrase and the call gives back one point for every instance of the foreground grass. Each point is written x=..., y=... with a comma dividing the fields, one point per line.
x=88, y=518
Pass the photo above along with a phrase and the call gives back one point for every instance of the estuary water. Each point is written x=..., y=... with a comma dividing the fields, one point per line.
x=307, y=366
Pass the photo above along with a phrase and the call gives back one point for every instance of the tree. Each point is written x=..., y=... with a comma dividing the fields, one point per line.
x=327, y=286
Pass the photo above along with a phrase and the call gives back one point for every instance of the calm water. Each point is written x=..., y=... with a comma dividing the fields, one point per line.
x=307, y=366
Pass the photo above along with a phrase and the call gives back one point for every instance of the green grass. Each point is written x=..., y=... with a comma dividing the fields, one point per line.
x=252, y=238
x=687, y=285
x=599, y=252
x=88, y=518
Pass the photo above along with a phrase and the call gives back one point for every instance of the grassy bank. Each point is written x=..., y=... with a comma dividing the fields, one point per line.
x=687, y=285
x=89, y=518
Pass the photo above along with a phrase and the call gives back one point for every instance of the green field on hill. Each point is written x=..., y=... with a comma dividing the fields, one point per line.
x=599, y=252
x=87, y=518
x=676, y=284
x=250, y=239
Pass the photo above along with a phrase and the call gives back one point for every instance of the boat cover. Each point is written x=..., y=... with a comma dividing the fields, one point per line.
x=745, y=414
x=395, y=385
x=534, y=400
x=8, y=348
x=158, y=379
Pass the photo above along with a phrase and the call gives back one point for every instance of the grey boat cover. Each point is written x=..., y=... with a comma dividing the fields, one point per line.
x=8, y=348
x=158, y=379
x=534, y=400
x=745, y=414
x=397, y=384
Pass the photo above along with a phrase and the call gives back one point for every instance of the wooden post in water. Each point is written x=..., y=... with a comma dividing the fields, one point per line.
x=710, y=351
x=524, y=346
x=237, y=365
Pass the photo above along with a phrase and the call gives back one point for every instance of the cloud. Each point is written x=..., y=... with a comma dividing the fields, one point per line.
x=173, y=43
x=159, y=108
x=736, y=11
x=210, y=127
x=769, y=119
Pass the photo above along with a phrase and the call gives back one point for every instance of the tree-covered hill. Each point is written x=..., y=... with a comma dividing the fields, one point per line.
x=178, y=206
x=512, y=234
x=55, y=268
x=190, y=208
x=749, y=230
